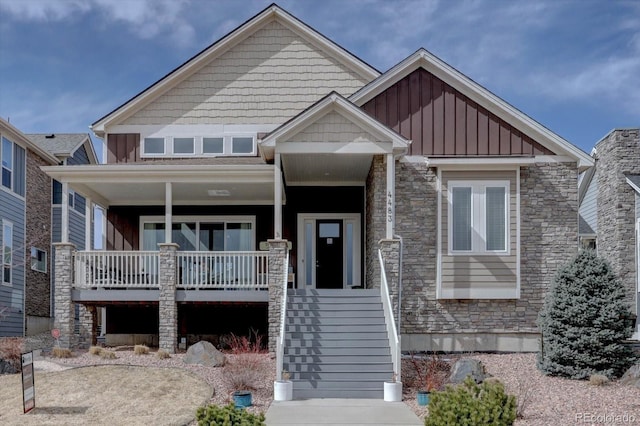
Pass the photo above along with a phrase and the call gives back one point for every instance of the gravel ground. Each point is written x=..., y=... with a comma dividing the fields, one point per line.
x=551, y=400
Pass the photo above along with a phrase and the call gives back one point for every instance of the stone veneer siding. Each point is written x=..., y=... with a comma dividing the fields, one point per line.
x=38, y=234
x=549, y=232
x=618, y=154
x=64, y=315
x=168, y=331
x=277, y=273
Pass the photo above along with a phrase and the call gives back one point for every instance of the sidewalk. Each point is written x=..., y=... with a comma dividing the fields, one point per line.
x=339, y=412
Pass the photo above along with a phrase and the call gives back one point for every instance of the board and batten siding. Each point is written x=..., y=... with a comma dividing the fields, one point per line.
x=479, y=276
x=267, y=78
x=12, y=208
x=441, y=121
x=589, y=207
x=332, y=127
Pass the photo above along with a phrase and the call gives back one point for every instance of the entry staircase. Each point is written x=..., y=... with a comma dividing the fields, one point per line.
x=336, y=344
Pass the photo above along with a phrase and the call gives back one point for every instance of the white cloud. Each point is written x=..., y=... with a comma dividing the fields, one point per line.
x=44, y=10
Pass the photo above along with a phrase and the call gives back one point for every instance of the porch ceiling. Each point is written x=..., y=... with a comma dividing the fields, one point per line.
x=326, y=169
x=110, y=185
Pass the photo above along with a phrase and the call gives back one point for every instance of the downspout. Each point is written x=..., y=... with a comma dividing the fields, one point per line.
x=399, y=319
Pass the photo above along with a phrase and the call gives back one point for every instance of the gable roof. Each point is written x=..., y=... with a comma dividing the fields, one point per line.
x=332, y=102
x=17, y=136
x=475, y=92
x=272, y=12
x=634, y=181
x=63, y=145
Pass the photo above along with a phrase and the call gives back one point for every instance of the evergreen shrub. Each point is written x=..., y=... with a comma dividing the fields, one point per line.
x=213, y=415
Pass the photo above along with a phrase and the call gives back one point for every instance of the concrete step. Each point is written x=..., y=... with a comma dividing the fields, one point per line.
x=324, y=358
x=335, y=367
x=336, y=328
x=337, y=343
x=347, y=376
x=338, y=384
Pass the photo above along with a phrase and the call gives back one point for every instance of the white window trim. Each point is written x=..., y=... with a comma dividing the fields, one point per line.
x=10, y=225
x=2, y=166
x=198, y=219
x=478, y=218
x=46, y=259
x=227, y=143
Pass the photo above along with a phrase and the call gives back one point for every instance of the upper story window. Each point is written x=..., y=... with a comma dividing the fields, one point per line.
x=38, y=259
x=7, y=251
x=478, y=217
x=206, y=146
x=13, y=166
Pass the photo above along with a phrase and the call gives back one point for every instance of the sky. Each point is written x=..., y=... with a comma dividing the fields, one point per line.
x=571, y=65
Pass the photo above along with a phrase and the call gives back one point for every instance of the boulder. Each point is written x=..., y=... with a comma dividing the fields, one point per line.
x=468, y=367
x=7, y=368
x=632, y=376
x=204, y=353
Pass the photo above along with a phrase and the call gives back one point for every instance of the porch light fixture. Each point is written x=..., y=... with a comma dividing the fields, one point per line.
x=218, y=193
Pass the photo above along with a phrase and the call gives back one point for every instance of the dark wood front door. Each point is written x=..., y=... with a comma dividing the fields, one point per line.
x=329, y=253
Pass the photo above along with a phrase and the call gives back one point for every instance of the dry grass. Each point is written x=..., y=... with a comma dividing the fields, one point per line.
x=598, y=380
x=140, y=349
x=11, y=349
x=57, y=352
x=162, y=354
x=107, y=354
x=95, y=350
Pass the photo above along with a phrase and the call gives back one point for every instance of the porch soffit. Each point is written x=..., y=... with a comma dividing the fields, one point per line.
x=144, y=184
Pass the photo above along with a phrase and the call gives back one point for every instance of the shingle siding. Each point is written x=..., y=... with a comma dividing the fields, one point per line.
x=333, y=127
x=12, y=208
x=266, y=79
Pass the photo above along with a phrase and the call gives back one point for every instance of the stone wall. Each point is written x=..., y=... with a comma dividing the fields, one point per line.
x=168, y=328
x=375, y=218
x=277, y=273
x=549, y=229
x=38, y=234
x=618, y=154
x=64, y=315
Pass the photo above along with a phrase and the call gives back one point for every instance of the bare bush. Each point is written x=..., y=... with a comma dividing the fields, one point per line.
x=162, y=354
x=106, y=354
x=141, y=350
x=95, y=350
x=431, y=372
x=58, y=352
x=524, y=394
x=598, y=380
x=11, y=351
x=243, y=371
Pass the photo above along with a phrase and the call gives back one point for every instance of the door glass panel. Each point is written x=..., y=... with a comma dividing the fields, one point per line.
x=308, y=252
x=153, y=234
x=184, y=234
x=211, y=237
x=239, y=237
x=329, y=230
x=349, y=257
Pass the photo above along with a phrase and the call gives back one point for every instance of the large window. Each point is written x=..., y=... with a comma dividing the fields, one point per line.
x=478, y=217
x=7, y=163
x=206, y=146
x=7, y=251
x=202, y=233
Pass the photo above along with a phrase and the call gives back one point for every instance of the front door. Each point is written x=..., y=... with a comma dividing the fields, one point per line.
x=328, y=250
x=329, y=253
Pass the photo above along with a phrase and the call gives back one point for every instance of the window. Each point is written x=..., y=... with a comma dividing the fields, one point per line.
x=7, y=163
x=183, y=146
x=7, y=251
x=71, y=198
x=38, y=260
x=478, y=217
x=212, y=145
x=153, y=146
x=242, y=145
x=56, y=193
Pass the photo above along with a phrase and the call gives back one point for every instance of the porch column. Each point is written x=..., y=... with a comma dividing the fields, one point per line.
x=277, y=198
x=64, y=313
x=390, y=204
x=64, y=237
x=168, y=211
x=390, y=249
x=168, y=332
x=88, y=325
x=277, y=276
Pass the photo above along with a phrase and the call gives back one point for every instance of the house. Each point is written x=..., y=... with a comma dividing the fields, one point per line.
x=25, y=216
x=411, y=209
x=610, y=209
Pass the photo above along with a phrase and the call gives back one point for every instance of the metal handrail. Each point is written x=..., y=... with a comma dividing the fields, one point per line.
x=392, y=331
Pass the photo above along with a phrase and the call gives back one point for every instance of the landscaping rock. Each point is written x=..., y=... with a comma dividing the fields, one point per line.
x=7, y=368
x=206, y=354
x=632, y=376
x=468, y=367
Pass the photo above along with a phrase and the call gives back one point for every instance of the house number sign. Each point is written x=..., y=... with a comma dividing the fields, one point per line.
x=389, y=207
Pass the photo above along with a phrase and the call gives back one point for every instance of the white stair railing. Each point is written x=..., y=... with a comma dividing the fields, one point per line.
x=392, y=331
x=283, y=318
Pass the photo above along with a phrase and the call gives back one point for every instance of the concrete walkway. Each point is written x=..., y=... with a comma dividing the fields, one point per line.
x=340, y=412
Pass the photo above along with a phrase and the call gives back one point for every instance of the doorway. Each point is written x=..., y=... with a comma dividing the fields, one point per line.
x=328, y=251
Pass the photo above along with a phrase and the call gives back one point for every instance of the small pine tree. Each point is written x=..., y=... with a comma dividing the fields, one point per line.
x=583, y=321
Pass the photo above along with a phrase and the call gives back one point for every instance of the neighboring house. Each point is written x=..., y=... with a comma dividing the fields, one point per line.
x=70, y=149
x=25, y=216
x=610, y=209
x=274, y=138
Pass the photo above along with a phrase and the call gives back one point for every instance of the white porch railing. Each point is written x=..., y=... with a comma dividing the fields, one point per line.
x=392, y=331
x=283, y=318
x=223, y=270
x=116, y=269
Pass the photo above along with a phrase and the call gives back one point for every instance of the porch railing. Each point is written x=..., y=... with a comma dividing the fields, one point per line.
x=392, y=331
x=116, y=269
x=223, y=270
